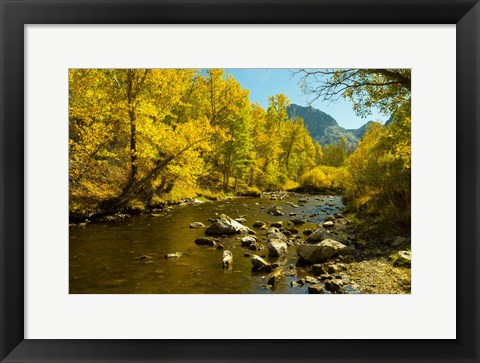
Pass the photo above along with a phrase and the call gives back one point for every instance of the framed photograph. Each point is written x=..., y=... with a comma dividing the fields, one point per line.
x=206, y=181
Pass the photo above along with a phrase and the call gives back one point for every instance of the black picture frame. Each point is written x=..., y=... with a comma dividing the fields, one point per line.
x=16, y=13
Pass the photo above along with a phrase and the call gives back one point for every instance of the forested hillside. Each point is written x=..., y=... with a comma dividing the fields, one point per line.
x=139, y=136
x=142, y=137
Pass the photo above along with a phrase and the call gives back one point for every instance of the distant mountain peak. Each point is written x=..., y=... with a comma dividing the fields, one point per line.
x=362, y=129
x=324, y=128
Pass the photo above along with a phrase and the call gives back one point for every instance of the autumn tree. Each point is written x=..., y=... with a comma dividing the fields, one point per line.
x=384, y=89
x=151, y=136
x=299, y=150
x=380, y=170
x=227, y=107
x=334, y=154
x=378, y=179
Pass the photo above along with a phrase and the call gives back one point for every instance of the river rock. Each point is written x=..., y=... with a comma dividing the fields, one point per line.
x=334, y=285
x=277, y=235
x=227, y=260
x=307, y=232
x=319, y=269
x=206, y=241
x=248, y=240
x=259, y=264
x=294, y=230
x=316, y=289
x=310, y=280
x=297, y=221
x=259, y=224
x=255, y=247
x=276, y=211
x=174, y=255
x=278, y=224
x=319, y=235
x=291, y=271
x=226, y=225
x=332, y=269
x=197, y=225
x=240, y=220
x=339, y=216
x=276, y=248
x=302, y=201
x=328, y=224
x=272, y=230
x=404, y=258
x=324, y=277
x=315, y=253
x=115, y=217
x=275, y=276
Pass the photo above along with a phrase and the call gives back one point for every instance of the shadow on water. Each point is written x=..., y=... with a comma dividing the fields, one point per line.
x=105, y=258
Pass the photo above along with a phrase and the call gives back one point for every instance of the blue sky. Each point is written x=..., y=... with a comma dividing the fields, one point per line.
x=268, y=82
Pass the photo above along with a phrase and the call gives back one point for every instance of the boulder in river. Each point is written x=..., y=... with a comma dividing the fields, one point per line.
x=307, y=232
x=277, y=235
x=276, y=211
x=319, y=235
x=297, y=221
x=278, y=224
x=227, y=260
x=276, y=248
x=316, y=289
x=259, y=224
x=174, y=255
x=316, y=253
x=256, y=246
x=206, y=241
x=226, y=225
x=275, y=276
x=328, y=224
x=319, y=269
x=286, y=232
x=272, y=230
x=310, y=280
x=334, y=285
x=197, y=225
x=248, y=240
x=240, y=220
x=259, y=264
x=404, y=258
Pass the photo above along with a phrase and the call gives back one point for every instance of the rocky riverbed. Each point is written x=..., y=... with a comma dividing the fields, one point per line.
x=280, y=243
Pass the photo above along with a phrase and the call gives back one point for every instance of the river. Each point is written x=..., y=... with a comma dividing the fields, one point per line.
x=105, y=256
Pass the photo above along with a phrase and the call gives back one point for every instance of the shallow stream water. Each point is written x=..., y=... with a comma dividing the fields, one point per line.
x=105, y=257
